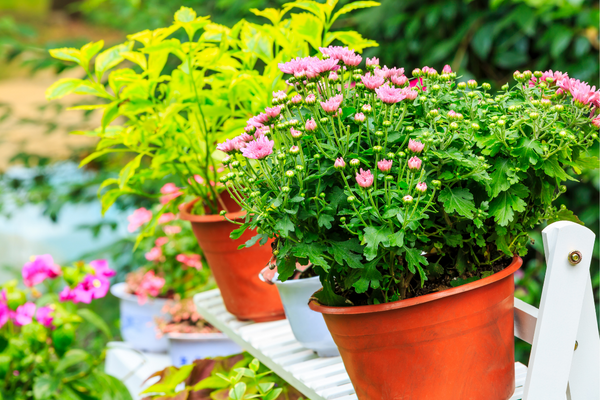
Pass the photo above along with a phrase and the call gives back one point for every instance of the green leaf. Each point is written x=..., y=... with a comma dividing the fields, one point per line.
x=565, y=215
x=170, y=379
x=503, y=177
x=309, y=28
x=129, y=170
x=352, y=39
x=397, y=239
x=93, y=319
x=528, y=150
x=45, y=386
x=344, y=253
x=369, y=276
x=314, y=251
x=355, y=5
x=459, y=200
x=117, y=389
x=325, y=220
x=373, y=237
x=272, y=14
x=390, y=213
x=89, y=50
x=415, y=260
x=62, y=87
x=67, y=54
x=273, y=394
x=109, y=198
x=311, y=6
x=110, y=58
x=238, y=391
x=561, y=37
x=185, y=14
x=71, y=357
x=285, y=225
x=237, y=233
x=253, y=241
x=552, y=168
x=502, y=208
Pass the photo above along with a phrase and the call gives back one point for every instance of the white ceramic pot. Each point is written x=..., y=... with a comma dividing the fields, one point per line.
x=187, y=347
x=138, y=326
x=308, y=326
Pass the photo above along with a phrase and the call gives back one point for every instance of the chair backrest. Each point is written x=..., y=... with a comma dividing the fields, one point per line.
x=565, y=353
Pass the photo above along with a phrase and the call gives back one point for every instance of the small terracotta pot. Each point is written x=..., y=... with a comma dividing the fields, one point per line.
x=236, y=271
x=456, y=344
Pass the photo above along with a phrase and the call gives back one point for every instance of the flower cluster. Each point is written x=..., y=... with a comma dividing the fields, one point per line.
x=364, y=174
x=184, y=319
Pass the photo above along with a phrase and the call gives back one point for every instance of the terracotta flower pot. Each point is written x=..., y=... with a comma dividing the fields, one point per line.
x=456, y=344
x=236, y=271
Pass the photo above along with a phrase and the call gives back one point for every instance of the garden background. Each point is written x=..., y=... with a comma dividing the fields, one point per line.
x=48, y=205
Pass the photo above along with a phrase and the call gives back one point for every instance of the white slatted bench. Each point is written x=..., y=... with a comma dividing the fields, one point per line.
x=566, y=316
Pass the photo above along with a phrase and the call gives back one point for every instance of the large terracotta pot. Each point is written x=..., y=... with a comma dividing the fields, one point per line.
x=236, y=271
x=457, y=344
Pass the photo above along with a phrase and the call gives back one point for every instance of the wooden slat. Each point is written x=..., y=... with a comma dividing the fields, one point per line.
x=273, y=344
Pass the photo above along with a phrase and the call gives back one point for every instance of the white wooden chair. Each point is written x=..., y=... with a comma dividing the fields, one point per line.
x=565, y=355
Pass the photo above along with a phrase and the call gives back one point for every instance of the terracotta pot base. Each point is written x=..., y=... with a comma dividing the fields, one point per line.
x=236, y=271
x=455, y=344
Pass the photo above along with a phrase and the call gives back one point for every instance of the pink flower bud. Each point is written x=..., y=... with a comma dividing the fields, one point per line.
x=421, y=187
x=333, y=76
x=415, y=146
x=385, y=165
x=371, y=62
x=294, y=149
x=311, y=125
x=296, y=134
x=273, y=112
x=310, y=99
x=297, y=99
x=366, y=108
x=447, y=69
x=596, y=122
x=339, y=163
x=359, y=117
x=364, y=178
x=414, y=163
x=407, y=199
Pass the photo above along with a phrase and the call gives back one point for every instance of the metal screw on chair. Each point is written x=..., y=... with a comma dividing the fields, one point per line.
x=575, y=257
x=576, y=345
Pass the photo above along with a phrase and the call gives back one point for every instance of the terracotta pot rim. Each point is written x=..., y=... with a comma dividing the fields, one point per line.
x=186, y=215
x=512, y=267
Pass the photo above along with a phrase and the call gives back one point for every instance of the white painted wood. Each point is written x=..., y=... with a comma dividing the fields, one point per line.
x=525, y=320
x=559, y=316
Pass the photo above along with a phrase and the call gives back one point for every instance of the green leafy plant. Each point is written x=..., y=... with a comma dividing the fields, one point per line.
x=238, y=377
x=490, y=170
x=171, y=123
x=38, y=354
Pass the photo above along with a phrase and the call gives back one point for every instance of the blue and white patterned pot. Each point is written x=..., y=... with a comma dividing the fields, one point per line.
x=187, y=347
x=138, y=326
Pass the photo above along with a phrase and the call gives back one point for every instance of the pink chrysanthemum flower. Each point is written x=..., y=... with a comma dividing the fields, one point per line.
x=385, y=165
x=359, y=117
x=333, y=104
x=336, y=52
x=310, y=99
x=447, y=69
x=273, y=112
x=407, y=199
x=259, y=120
x=582, y=93
x=409, y=93
x=596, y=122
x=421, y=187
x=401, y=80
x=333, y=76
x=372, y=81
x=339, y=163
x=259, y=148
x=280, y=95
x=296, y=134
x=138, y=218
x=311, y=125
x=351, y=60
x=387, y=73
x=229, y=145
x=414, y=163
x=364, y=178
x=297, y=99
x=556, y=76
x=371, y=62
x=415, y=146
x=389, y=95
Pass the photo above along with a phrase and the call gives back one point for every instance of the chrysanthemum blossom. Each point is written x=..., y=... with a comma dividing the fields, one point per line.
x=24, y=314
x=351, y=60
x=318, y=67
x=366, y=108
x=336, y=52
x=333, y=76
x=582, y=93
x=138, y=218
x=447, y=69
x=245, y=137
x=401, y=80
x=389, y=95
x=385, y=165
x=259, y=148
x=310, y=99
x=190, y=260
x=556, y=76
x=372, y=62
x=44, y=315
x=372, y=82
x=414, y=163
x=409, y=93
x=273, y=112
x=297, y=99
x=421, y=187
x=387, y=73
x=407, y=199
x=359, y=117
x=172, y=229
x=228, y=145
x=415, y=146
x=280, y=95
x=39, y=269
x=154, y=254
x=101, y=268
x=596, y=122
x=259, y=120
x=331, y=105
x=168, y=217
x=364, y=178
x=339, y=163
x=296, y=134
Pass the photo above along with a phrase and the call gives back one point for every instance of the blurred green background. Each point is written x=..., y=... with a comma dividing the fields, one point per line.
x=486, y=40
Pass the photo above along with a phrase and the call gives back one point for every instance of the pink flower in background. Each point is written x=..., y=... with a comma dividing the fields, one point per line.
x=297, y=66
x=150, y=285
x=372, y=82
x=297, y=99
x=371, y=62
x=556, y=76
x=259, y=148
x=24, y=314
x=192, y=260
x=161, y=241
x=582, y=92
x=366, y=108
x=401, y=80
x=311, y=125
x=296, y=133
x=90, y=288
x=333, y=76
x=339, y=163
x=101, y=268
x=43, y=315
x=172, y=229
x=280, y=95
x=409, y=93
x=168, y=217
x=311, y=99
x=421, y=187
x=359, y=117
x=351, y=60
x=259, y=120
x=415, y=146
x=294, y=149
x=364, y=178
x=66, y=294
x=39, y=269
x=387, y=73
x=385, y=165
x=229, y=145
x=273, y=112
x=244, y=137
x=414, y=82
x=4, y=310
x=408, y=198
x=333, y=104
x=389, y=95
x=170, y=192
x=154, y=254
x=447, y=69
x=336, y=52
x=138, y=218
x=596, y=122
x=198, y=179
x=414, y=163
